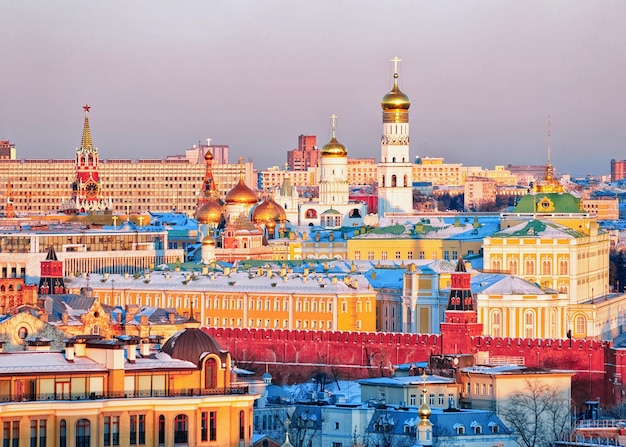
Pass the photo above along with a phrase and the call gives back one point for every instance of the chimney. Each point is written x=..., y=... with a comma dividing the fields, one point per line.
x=226, y=271
x=64, y=318
x=172, y=317
x=131, y=311
x=333, y=280
x=69, y=352
x=39, y=344
x=132, y=352
x=144, y=348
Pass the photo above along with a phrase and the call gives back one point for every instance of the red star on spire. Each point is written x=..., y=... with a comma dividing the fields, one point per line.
x=86, y=107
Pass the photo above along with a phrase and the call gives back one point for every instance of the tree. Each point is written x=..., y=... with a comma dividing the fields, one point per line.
x=538, y=414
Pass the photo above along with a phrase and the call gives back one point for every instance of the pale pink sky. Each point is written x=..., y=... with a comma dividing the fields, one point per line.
x=160, y=75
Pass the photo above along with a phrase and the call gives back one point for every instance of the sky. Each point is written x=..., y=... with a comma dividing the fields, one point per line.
x=482, y=76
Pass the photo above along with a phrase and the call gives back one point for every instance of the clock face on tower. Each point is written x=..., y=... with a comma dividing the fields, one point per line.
x=91, y=189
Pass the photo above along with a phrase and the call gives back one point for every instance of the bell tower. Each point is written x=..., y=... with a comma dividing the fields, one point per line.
x=395, y=181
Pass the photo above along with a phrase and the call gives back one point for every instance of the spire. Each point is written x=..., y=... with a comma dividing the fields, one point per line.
x=548, y=139
x=86, y=144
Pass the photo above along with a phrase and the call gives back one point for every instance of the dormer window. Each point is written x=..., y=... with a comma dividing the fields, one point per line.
x=459, y=429
x=495, y=428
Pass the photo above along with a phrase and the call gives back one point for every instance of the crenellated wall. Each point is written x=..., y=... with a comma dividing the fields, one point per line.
x=292, y=356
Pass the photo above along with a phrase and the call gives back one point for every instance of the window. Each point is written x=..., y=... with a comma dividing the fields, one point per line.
x=38, y=433
x=477, y=388
x=337, y=444
x=446, y=255
x=455, y=255
x=431, y=399
x=529, y=324
x=357, y=255
x=383, y=256
x=242, y=425
x=336, y=425
x=161, y=430
x=422, y=255
x=580, y=325
x=137, y=429
x=181, y=429
x=409, y=255
x=412, y=400
x=370, y=255
x=440, y=399
x=62, y=433
x=111, y=430
x=11, y=433
x=83, y=433
x=398, y=257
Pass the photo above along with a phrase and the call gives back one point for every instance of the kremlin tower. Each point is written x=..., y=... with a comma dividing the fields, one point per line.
x=86, y=187
x=395, y=183
x=461, y=315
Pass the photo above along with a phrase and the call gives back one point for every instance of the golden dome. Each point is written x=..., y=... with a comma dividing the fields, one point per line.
x=210, y=212
x=267, y=211
x=208, y=156
x=424, y=411
x=395, y=99
x=334, y=149
x=208, y=240
x=241, y=194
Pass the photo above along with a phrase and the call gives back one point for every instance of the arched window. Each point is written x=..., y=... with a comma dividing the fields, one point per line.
x=546, y=267
x=529, y=324
x=406, y=180
x=513, y=266
x=563, y=267
x=496, y=264
x=161, y=430
x=210, y=373
x=311, y=214
x=63, y=433
x=495, y=323
x=83, y=433
x=393, y=181
x=242, y=425
x=181, y=429
x=383, y=182
x=581, y=326
x=530, y=267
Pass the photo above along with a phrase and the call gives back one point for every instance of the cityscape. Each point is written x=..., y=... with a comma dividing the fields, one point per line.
x=299, y=290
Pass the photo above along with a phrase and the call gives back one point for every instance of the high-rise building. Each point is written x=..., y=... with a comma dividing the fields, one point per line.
x=395, y=184
x=7, y=150
x=618, y=170
x=306, y=156
x=39, y=186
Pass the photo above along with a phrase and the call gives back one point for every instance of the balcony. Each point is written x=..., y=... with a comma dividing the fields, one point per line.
x=142, y=394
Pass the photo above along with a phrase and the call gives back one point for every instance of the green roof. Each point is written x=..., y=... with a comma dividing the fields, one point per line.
x=548, y=203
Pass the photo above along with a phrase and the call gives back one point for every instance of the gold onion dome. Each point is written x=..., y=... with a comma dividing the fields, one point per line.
x=334, y=149
x=395, y=99
x=208, y=240
x=424, y=411
x=241, y=194
x=268, y=211
x=210, y=212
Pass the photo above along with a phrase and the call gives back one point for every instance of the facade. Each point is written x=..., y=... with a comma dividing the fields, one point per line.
x=427, y=239
x=7, y=150
x=618, y=170
x=84, y=251
x=479, y=193
x=295, y=298
x=305, y=156
x=395, y=180
x=606, y=208
x=124, y=392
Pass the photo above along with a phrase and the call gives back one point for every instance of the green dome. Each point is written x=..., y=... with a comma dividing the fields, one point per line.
x=549, y=203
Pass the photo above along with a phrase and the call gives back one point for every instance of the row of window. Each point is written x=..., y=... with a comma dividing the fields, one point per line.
x=274, y=324
x=384, y=255
x=529, y=267
x=111, y=430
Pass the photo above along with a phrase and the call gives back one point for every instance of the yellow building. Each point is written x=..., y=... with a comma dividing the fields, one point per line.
x=434, y=238
x=602, y=209
x=309, y=298
x=122, y=392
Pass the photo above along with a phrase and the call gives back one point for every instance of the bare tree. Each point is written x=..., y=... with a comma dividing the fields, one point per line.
x=538, y=414
x=304, y=425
